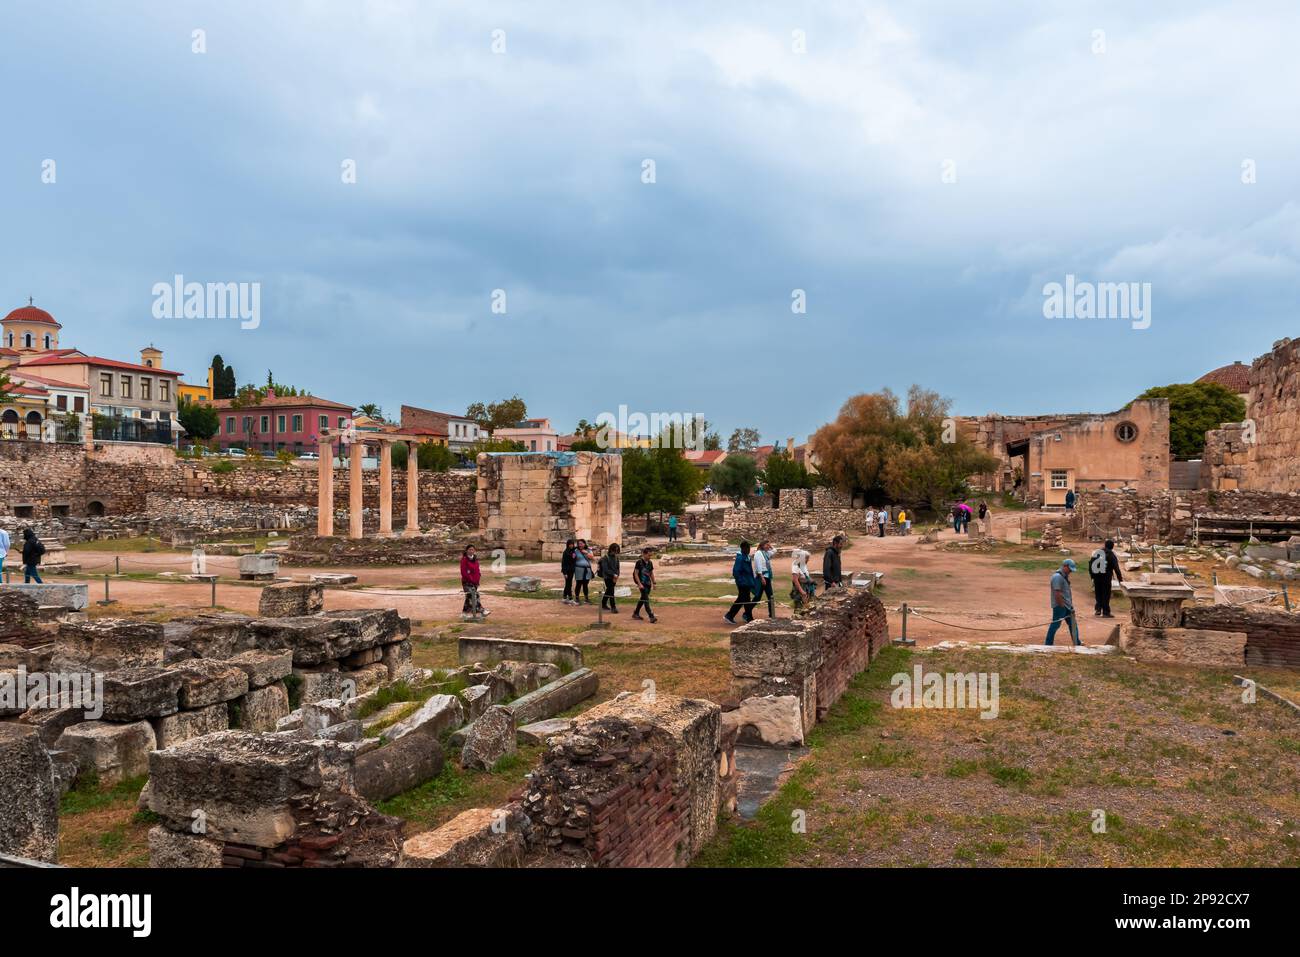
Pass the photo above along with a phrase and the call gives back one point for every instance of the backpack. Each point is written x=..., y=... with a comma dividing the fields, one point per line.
x=740, y=568
x=1098, y=564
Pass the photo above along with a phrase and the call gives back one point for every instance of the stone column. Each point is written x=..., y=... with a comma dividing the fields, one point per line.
x=385, y=488
x=356, y=453
x=412, y=489
x=325, y=488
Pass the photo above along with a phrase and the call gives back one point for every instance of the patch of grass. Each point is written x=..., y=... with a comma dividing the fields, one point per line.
x=1032, y=564
x=456, y=789
x=87, y=795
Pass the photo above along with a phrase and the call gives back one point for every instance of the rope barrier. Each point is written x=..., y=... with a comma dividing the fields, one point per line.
x=913, y=611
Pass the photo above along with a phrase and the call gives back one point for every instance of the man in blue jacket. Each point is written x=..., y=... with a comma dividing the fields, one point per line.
x=742, y=572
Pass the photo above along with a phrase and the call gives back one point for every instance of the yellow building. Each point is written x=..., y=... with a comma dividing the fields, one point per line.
x=195, y=393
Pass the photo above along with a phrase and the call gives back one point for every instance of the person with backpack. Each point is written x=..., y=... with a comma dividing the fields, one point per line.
x=1102, y=567
x=33, y=549
x=742, y=573
x=470, y=576
x=904, y=521
x=583, y=571
x=609, y=569
x=802, y=586
x=567, y=564
x=644, y=573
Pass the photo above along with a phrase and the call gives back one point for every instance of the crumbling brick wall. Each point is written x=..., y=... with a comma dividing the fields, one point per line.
x=1269, y=461
x=1171, y=517
x=634, y=784
x=1272, y=635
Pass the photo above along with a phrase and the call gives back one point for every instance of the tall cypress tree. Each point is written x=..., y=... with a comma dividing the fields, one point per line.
x=218, y=377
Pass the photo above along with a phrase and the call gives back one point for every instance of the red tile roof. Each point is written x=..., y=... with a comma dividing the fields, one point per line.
x=1234, y=378
x=705, y=456
x=81, y=360
x=20, y=372
x=287, y=401
x=30, y=314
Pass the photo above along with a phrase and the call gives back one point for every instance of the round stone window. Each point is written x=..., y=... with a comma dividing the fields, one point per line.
x=1126, y=431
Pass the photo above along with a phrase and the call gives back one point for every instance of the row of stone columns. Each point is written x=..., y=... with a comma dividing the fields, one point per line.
x=325, y=488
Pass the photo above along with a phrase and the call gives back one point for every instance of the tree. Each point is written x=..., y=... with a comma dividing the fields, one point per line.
x=434, y=457
x=6, y=388
x=372, y=411
x=199, y=420
x=851, y=451
x=657, y=480
x=1195, y=408
x=782, y=471
x=934, y=474
x=223, y=379
x=498, y=415
x=584, y=429
x=495, y=445
x=743, y=440
x=711, y=441
x=735, y=476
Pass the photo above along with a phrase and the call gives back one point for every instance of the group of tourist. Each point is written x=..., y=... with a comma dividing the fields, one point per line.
x=692, y=526
x=877, y=521
x=579, y=565
x=32, y=551
x=754, y=572
x=1104, y=569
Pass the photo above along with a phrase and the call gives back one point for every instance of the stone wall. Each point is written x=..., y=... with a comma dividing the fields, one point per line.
x=1172, y=517
x=1272, y=635
x=530, y=503
x=1264, y=452
x=806, y=516
x=40, y=481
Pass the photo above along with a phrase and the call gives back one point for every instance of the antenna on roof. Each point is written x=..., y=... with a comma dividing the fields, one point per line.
x=29, y=300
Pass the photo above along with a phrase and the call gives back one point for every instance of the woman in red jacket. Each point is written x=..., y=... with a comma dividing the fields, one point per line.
x=469, y=579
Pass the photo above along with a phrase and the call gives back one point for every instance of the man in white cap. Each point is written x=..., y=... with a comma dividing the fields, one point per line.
x=1063, y=603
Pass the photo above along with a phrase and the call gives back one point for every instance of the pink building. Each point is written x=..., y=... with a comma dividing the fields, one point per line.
x=291, y=422
x=537, y=435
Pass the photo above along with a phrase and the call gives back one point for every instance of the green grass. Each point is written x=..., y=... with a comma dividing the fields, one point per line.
x=1032, y=564
x=455, y=789
x=87, y=795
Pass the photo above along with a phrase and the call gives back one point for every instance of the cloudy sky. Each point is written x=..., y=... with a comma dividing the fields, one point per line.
x=920, y=171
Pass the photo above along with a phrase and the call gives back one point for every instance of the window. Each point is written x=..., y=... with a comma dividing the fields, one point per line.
x=230, y=425
x=1126, y=432
x=532, y=444
x=266, y=424
x=146, y=413
x=1060, y=478
x=11, y=340
x=105, y=384
x=78, y=404
x=28, y=340
x=343, y=423
x=297, y=423
x=47, y=341
x=248, y=424
x=165, y=391
x=323, y=422
x=61, y=403
x=126, y=387
x=146, y=390
x=279, y=425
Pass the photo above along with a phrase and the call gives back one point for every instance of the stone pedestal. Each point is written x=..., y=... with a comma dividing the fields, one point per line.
x=263, y=566
x=1156, y=605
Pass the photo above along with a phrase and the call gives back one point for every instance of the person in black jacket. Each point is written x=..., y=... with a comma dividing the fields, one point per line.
x=1103, y=565
x=644, y=574
x=609, y=573
x=831, y=573
x=566, y=569
x=32, y=552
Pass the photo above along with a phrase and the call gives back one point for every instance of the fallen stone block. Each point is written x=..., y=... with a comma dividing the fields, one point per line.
x=113, y=752
x=29, y=801
x=181, y=727
x=333, y=580
x=261, y=566
x=523, y=583
x=262, y=709
x=319, y=715
x=318, y=639
x=206, y=681
x=551, y=699
x=480, y=837
x=521, y=677
x=541, y=732
x=472, y=649
x=221, y=636
x=399, y=765
x=443, y=712
x=776, y=646
x=773, y=721
x=289, y=599
x=477, y=698
x=134, y=693
x=105, y=644
x=70, y=597
x=490, y=738
x=264, y=667
x=171, y=849
x=50, y=723
x=396, y=657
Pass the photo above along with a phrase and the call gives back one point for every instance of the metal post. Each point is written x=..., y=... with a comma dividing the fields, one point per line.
x=904, y=640
x=107, y=600
x=214, y=591
x=117, y=564
x=1286, y=598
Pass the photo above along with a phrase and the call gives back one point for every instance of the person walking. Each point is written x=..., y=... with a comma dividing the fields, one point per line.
x=742, y=573
x=832, y=573
x=956, y=519
x=644, y=573
x=802, y=586
x=882, y=519
x=470, y=576
x=672, y=528
x=5, y=545
x=33, y=549
x=1063, y=603
x=609, y=569
x=692, y=525
x=904, y=521
x=566, y=569
x=871, y=519
x=583, y=571
x=1103, y=566
x=763, y=576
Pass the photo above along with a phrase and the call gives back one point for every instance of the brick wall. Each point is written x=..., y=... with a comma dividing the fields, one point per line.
x=854, y=631
x=1171, y=516
x=1272, y=635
